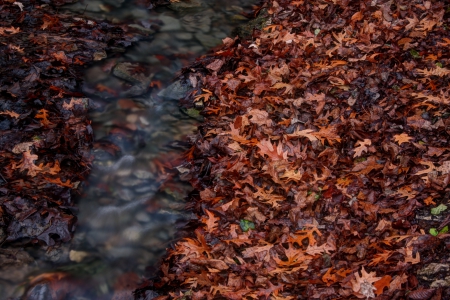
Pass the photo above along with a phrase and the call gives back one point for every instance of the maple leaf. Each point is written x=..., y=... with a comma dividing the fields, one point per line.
x=362, y=147
x=27, y=164
x=211, y=221
x=266, y=148
x=363, y=283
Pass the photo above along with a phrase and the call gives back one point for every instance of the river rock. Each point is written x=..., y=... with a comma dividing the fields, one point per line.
x=175, y=91
x=169, y=23
x=126, y=72
x=185, y=5
x=198, y=22
x=207, y=40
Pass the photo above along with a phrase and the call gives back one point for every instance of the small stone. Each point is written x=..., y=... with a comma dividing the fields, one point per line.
x=143, y=174
x=169, y=24
x=183, y=36
x=183, y=6
x=77, y=256
x=208, y=41
x=175, y=91
x=132, y=118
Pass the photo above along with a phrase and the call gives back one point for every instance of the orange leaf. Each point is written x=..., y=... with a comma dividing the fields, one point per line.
x=27, y=163
x=43, y=114
x=329, y=278
x=211, y=221
x=402, y=138
x=429, y=201
x=10, y=113
x=381, y=284
x=59, y=182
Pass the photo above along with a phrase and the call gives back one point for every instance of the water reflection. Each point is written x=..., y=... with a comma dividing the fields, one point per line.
x=130, y=206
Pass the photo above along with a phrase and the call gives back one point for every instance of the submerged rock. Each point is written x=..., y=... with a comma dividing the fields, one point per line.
x=175, y=91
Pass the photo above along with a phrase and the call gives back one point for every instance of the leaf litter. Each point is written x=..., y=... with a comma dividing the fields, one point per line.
x=325, y=136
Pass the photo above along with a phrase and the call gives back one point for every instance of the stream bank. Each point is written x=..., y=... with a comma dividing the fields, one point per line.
x=321, y=169
x=131, y=202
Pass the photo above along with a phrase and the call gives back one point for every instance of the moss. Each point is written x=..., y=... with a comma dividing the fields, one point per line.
x=245, y=31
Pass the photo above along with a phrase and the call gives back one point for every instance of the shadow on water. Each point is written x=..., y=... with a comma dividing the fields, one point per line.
x=131, y=204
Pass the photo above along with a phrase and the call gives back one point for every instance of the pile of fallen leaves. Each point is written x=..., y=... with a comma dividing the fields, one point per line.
x=45, y=137
x=324, y=135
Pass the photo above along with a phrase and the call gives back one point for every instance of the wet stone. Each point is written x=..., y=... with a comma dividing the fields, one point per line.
x=169, y=23
x=207, y=40
x=133, y=73
x=183, y=6
x=197, y=23
x=183, y=36
x=143, y=174
x=175, y=91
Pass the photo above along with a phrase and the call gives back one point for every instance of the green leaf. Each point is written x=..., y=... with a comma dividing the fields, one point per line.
x=444, y=230
x=434, y=232
x=246, y=225
x=439, y=64
x=437, y=210
x=414, y=53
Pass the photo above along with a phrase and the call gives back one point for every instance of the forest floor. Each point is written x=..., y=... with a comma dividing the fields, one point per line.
x=322, y=168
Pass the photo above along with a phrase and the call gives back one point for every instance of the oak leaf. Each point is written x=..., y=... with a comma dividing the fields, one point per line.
x=363, y=283
x=259, y=117
x=43, y=115
x=27, y=164
x=402, y=138
x=211, y=221
x=329, y=134
x=266, y=148
x=58, y=181
x=10, y=113
x=362, y=147
x=308, y=133
x=381, y=284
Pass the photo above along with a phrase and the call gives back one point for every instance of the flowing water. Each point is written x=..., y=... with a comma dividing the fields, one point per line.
x=132, y=203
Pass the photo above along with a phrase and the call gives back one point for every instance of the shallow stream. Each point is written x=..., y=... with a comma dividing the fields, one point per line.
x=132, y=203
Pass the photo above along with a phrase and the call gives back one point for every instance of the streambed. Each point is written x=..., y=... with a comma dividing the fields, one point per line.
x=132, y=203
